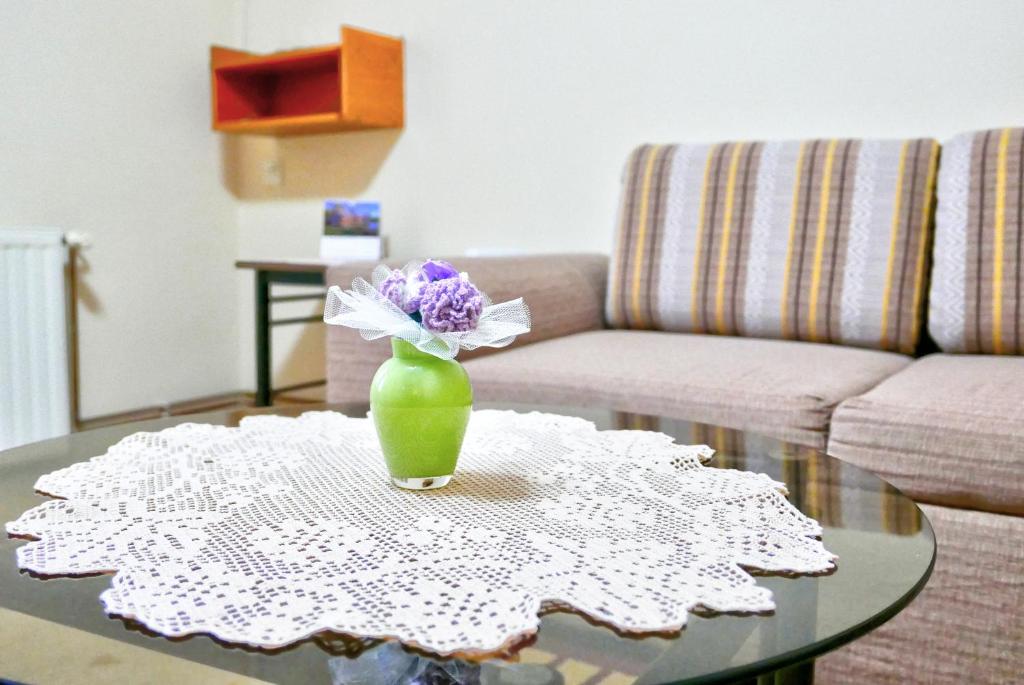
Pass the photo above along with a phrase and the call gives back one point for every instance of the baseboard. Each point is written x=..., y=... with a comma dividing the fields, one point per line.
x=192, y=406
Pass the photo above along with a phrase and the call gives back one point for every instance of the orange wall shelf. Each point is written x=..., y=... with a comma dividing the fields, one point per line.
x=354, y=85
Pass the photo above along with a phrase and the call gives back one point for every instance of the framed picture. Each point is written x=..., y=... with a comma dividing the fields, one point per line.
x=345, y=217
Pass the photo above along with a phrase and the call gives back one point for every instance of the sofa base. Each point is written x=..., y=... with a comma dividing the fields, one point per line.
x=966, y=626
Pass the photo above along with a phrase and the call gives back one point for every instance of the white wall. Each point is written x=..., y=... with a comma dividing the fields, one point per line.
x=104, y=128
x=520, y=114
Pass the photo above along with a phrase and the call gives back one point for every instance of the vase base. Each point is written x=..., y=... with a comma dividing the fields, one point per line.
x=429, y=483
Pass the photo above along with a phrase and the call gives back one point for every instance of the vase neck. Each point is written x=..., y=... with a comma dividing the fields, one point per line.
x=406, y=350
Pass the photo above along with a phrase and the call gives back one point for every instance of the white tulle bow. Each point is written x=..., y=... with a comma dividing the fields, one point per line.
x=375, y=316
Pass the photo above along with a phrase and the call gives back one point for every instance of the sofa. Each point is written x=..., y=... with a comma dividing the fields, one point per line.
x=862, y=297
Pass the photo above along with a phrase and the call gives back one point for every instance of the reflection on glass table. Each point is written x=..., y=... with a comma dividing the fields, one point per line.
x=885, y=546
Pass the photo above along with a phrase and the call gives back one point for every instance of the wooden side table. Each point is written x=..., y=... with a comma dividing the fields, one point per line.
x=288, y=271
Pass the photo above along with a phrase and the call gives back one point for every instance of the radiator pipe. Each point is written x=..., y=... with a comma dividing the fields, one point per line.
x=75, y=243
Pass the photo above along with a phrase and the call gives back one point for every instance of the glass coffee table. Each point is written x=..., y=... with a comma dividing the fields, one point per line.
x=53, y=630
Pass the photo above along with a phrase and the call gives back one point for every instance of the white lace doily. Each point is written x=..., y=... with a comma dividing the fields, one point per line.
x=281, y=528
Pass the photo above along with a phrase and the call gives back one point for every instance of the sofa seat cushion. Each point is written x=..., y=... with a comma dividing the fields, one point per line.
x=784, y=389
x=947, y=429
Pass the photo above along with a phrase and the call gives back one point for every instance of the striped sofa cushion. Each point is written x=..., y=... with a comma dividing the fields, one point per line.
x=819, y=240
x=977, y=286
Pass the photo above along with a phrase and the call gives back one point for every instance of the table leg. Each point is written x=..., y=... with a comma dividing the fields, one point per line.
x=263, y=392
x=798, y=674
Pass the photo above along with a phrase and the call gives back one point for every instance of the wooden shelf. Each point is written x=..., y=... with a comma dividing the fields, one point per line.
x=354, y=85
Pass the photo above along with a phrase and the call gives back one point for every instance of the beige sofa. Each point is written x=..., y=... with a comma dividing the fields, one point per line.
x=947, y=429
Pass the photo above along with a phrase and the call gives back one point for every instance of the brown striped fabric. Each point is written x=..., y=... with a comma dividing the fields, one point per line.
x=819, y=240
x=977, y=295
x=819, y=492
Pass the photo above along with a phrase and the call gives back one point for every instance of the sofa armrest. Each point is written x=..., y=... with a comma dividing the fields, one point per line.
x=565, y=294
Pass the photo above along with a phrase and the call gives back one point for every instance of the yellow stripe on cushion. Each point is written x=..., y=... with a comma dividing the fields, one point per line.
x=812, y=494
x=792, y=235
x=997, y=254
x=922, y=244
x=723, y=252
x=896, y=207
x=638, y=255
x=700, y=235
x=615, y=280
x=819, y=246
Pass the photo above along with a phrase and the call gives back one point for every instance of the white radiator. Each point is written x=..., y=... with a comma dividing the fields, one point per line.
x=34, y=399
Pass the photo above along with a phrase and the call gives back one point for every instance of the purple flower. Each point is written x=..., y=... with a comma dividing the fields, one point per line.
x=395, y=287
x=431, y=270
x=451, y=305
x=437, y=270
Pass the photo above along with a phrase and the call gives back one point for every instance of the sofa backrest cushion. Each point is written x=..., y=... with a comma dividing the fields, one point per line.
x=976, y=303
x=819, y=240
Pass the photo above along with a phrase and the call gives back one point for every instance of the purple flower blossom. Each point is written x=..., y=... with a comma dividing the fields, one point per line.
x=437, y=270
x=395, y=287
x=451, y=305
x=431, y=270
x=436, y=295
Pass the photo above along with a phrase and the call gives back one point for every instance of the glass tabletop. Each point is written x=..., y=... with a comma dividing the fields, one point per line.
x=54, y=629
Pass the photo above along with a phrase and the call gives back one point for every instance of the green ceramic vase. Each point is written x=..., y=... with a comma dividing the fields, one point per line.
x=420, y=406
